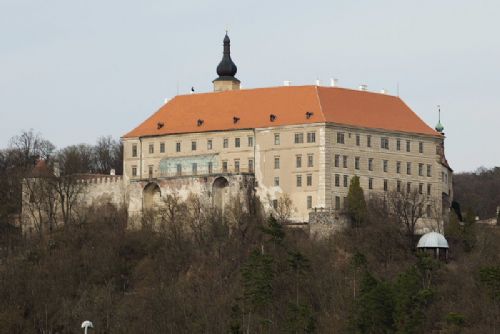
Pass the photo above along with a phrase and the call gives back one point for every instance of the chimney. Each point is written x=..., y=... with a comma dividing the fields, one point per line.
x=363, y=87
x=317, y=82
x=384, y=91
x=287, y=83
x=333, y=82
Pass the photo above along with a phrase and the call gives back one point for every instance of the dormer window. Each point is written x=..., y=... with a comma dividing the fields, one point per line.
x=200, y=122
x=236, y=119
x=309, y=114
x=160, y=125
x=272, y=117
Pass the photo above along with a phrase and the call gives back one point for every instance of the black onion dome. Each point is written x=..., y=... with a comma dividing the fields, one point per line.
x=226, y=67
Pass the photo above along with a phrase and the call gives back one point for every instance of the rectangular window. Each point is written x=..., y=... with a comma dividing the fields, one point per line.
x=276, y=162
x=309, y=202
x=225, y=143
x=179, y=169
x=398, y=167
x=408, y=146
x=398, y=144
x=177, y=147
x=194, y=168
x=369, y=141
x=421, y=147
x=428, y=210
x=162, y=147
x=134, y=150
x=384, y=143
x=337, y=160
x=344, y=162
x=210, y=167
x=398, y=186
x=250, y=141
x=358, y=140
x=310, y=160
x=386, y=186
x=275, y=204
x=311, y=137
x=151, y=148
x=346, y=181
x=298, y=161
x=408, y=168
x=150, y=171
x=356, y=162
x=421, y=169
x=385, y=166
x=299, y=138
x=428, y=189
x=224, y=166
x=209, y=144
x=337, y=180
x=250, y=165
x=134, y=170
x=429, y=170
x=309, y=180
x=276, y=181
x=408, y=187
x=370, y=183
x=420, y=188
x=193, y=146
x=340, y=138
x=237, y=166
x=299, y=180
x=276, y=139
x=370, y=164
x=236, y=142
x=337, y=202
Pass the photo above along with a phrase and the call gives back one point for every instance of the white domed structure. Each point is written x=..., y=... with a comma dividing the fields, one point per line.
x=433, y=242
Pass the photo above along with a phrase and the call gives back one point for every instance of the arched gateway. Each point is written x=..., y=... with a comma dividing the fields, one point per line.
x=220, y=191
x=151, y=196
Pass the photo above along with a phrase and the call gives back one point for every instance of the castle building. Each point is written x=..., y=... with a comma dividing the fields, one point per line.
x=303, y=142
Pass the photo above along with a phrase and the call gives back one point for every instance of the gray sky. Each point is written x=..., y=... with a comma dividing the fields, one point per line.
x=76, y=70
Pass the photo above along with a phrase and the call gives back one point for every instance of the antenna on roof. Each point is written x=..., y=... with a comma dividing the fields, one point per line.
x=397, y=88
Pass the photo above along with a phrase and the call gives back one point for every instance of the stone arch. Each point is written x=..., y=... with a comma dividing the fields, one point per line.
x=151, y=196
x=220, y=191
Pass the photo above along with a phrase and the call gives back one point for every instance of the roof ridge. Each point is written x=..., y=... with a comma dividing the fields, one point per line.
x=319, y=103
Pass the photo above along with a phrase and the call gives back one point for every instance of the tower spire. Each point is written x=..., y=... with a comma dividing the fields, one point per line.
x=226, y=70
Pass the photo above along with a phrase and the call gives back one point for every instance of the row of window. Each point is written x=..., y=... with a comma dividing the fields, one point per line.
x=209, y=168
x=194, y=145
x=399, y=184
x=385, y=165
x=298, y=139
x=428, y=209
x=298, y=161
x=384, y=142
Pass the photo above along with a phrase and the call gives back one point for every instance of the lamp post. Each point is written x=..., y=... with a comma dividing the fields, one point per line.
x=87, y=324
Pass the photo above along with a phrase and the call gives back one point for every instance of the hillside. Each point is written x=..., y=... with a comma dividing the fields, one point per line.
x=199, y=273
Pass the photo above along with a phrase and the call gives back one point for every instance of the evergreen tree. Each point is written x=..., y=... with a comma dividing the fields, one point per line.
x=356, y=205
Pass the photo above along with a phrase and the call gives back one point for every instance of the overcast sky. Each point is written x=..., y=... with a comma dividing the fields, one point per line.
x=77, y=70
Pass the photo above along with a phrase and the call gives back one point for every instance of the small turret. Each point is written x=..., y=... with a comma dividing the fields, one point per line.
x=226, y=70
x=439, y=127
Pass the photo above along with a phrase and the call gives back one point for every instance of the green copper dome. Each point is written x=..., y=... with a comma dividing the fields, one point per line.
x=439, y=127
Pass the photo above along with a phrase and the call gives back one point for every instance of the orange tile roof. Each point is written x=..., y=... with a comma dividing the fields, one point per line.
x=253, y=108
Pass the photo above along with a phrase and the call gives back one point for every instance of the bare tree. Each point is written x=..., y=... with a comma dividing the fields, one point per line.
x=108, y=154
x=284, y=209
x=407, y=208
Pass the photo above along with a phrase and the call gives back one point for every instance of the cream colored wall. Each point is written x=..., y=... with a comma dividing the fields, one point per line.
x=145, y=159
x=287, y=150
x=351, y=150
